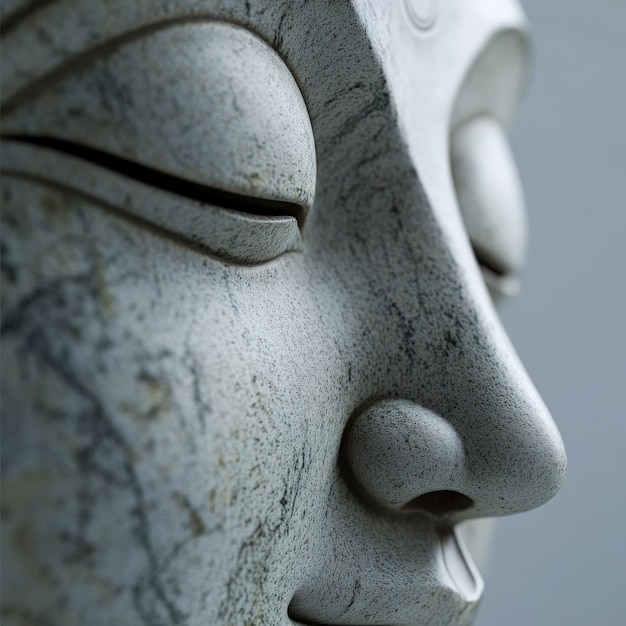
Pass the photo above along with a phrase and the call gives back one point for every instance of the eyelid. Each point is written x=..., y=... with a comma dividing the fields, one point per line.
x=488, y=190
x=490, y=200
x=207, y=101
x=204, y=109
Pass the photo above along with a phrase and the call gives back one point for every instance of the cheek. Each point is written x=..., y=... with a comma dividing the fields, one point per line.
x=153, y=422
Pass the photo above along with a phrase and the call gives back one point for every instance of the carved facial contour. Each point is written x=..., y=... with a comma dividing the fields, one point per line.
x=256, y=375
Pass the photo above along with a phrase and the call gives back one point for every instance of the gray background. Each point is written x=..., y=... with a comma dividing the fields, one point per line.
x=566, y=562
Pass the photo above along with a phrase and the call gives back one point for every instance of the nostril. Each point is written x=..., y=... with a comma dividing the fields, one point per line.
x=440, y=503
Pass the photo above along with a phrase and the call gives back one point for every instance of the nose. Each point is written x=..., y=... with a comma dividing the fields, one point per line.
x=405, y=457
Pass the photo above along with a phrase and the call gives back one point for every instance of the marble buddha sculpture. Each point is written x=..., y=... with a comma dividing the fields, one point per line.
x=253, y=373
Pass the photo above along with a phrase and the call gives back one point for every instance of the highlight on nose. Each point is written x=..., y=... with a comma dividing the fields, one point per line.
x=404, y=457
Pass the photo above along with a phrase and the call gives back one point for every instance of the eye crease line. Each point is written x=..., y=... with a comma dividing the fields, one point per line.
x=167, y=182
x=494, y=275
x=486, y=260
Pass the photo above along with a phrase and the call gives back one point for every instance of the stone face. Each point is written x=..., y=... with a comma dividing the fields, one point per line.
x=251, y=370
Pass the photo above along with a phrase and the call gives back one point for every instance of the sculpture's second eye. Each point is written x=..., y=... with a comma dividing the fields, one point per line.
x=204, y=111
x=487, y=187
x=491, y=201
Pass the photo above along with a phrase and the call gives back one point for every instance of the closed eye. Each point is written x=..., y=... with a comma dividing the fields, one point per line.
x=488, y=190
x=203, y=113
x=164, y=181
x=490, y=201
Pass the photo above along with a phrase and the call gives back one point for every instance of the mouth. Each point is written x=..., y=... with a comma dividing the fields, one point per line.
x=461, y=570
x=456, y=587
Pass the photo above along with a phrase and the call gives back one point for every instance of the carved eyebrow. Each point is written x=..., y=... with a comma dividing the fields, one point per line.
x=166, y=182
